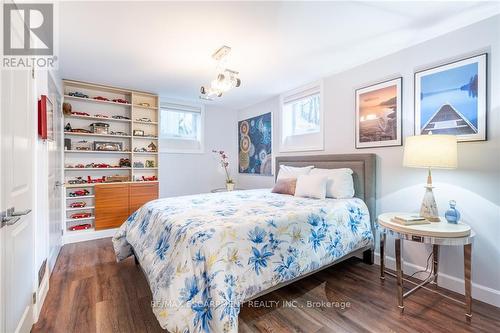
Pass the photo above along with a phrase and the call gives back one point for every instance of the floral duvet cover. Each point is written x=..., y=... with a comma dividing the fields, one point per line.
x=204, y=255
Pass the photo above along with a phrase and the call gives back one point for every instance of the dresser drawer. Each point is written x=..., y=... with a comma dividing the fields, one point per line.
x=111, y=205
x=142, y=193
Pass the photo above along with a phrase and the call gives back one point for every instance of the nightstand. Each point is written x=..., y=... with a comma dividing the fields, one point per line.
x=435, y=233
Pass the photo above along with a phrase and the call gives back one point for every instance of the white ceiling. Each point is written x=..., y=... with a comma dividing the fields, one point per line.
x=165, y=47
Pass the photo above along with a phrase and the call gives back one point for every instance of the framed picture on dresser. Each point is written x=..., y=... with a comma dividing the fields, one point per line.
x=378, y=114
x=451, y=99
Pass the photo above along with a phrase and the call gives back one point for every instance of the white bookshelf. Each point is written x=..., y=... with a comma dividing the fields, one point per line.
x=131, y=115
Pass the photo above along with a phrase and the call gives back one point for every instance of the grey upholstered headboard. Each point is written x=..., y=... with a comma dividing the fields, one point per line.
x=362, y=165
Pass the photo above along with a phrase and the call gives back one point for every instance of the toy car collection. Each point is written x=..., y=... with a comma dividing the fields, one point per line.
x=144, y=120
x=96, y=180
x=79, y=193
x=80, y=215
x=138, y=164
x=77, y=180
x=138, y=133
x=108, y=146
x=119, y=100
x=100, y=98
x=118, y=133
x=120, y=117
x=78, y=94
x=78, y=113
x=144, y=104
x=149, y=179
x=77, y=204
x=80, y=227
x=100, y=116
x=150, y=164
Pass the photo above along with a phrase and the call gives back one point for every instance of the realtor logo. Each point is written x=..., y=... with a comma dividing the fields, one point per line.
x=28, y=29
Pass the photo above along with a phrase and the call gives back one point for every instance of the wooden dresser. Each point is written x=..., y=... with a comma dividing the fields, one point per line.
x=114, y=203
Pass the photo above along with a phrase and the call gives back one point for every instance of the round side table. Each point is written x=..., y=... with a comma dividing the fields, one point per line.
x=435, y=233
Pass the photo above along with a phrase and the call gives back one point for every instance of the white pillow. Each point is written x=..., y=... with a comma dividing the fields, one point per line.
x=311, y=186
x=293, y=172
x=340, y=184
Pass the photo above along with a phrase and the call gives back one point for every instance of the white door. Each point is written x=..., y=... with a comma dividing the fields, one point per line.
x=55, y=177
x=17, y=133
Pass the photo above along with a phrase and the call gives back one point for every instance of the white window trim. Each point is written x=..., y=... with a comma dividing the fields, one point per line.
x=316, y=86
x=183, y=106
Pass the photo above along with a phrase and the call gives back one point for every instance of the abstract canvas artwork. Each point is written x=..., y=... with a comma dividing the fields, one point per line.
x=255, y=145
x=451, y=99
x=378, y=115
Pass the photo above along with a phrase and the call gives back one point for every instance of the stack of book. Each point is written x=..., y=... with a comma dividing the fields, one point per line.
x=409, y=219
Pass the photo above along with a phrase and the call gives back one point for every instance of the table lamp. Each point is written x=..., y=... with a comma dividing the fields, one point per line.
x=430, y=151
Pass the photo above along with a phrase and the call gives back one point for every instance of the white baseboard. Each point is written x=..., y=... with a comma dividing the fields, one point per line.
x=41, y=294
x=86, y=235
x=479, y=292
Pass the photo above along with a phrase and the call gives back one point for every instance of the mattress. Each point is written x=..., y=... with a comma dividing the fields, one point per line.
x=204, y=255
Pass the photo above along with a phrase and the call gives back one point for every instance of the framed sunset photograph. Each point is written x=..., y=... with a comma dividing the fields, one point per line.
x=378, y=114
x=451, y=99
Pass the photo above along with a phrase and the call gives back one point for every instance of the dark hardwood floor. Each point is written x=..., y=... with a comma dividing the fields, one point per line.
x=90, y=292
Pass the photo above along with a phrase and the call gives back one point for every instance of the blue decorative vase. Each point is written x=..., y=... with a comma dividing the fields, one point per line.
x=452, y=215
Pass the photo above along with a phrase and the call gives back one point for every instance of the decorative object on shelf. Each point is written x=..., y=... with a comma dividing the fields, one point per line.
x=223, y=160
x=100, y=116
x=430, y=151
x=378, y=115
x=77, y=180
x=67, y=108
x=149, y=179
x=99, y=128
x=80, y=216
x=255, y=146
x=125, y=163
x=119, y=100
x=118, y=117
x=451, y=99
x=107, y=146
x=138, y=164
x=77, y=204
x=67, y=144
x=144, y=120
x=138, y=133
x=45, y=118
x=100, y=98
x=118, y=133
x=83, y=145
x=116, y=179
x=152, y=147
x=226, y=80
x=144, y=104
x=79, y=193
x=81, y=114
x=80, y=227
x=452, y=215
x=78, y=94
x=95, y=180
x=150, y=164
x=67, y=128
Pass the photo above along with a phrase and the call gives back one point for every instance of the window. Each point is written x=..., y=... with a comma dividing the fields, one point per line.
x=181, y=128
x=301, y=119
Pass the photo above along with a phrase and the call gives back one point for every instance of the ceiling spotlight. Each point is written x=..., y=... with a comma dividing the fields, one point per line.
x=226, y=79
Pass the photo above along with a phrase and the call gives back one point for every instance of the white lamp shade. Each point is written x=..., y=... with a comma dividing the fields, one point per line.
x=431, y=151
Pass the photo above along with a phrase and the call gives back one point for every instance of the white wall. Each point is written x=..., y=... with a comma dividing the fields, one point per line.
x=183, y=174
x=475, y=184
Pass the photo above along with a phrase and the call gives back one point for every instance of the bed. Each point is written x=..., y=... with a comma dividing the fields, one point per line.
x=204, y=255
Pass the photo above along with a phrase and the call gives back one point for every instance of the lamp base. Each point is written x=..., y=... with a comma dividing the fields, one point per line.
x=429, y=210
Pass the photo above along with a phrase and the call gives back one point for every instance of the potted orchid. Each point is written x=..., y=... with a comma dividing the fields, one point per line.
x=223, y=159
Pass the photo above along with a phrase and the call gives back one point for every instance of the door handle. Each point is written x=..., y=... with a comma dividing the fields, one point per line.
x=8, y=221
x=21, y=213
